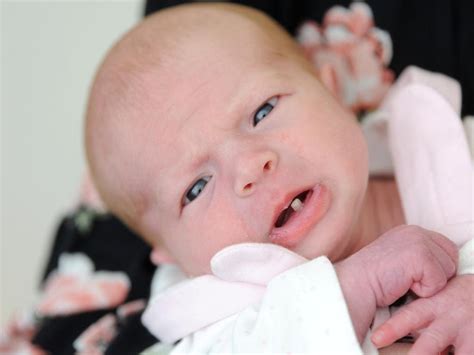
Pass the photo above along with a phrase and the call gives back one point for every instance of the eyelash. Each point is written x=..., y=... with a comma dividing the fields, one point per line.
x=266, y=108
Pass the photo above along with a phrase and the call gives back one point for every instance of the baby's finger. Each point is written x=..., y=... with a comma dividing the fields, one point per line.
x=464, y=343
x=449, y=247
x=447, y=244
x=465, y=348
x=447, y=255
x=435, y=338
x=432, y=276
x=412, y=317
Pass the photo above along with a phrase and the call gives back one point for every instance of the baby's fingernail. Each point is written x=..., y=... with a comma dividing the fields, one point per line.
x=377, y=337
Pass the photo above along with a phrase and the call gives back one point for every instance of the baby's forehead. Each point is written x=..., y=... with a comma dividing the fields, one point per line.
x=231, y=37
x=171, y=56
x=204, y=77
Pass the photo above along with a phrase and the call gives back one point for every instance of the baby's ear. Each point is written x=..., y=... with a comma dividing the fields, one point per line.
x=160, y=255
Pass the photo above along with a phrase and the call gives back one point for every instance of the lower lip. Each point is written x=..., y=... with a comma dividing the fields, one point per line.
x=297, y=227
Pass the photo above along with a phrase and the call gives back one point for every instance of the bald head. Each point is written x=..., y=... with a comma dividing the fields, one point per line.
x=164, y=55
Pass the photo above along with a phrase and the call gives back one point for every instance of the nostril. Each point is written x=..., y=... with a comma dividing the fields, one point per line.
x=268, y=165
x=248, y=186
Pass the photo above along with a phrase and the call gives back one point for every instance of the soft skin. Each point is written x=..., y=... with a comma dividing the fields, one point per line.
x=306, y=141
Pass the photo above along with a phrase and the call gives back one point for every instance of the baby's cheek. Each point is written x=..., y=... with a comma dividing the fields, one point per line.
x=226, y=225
x=283, y=137
x=294, y=141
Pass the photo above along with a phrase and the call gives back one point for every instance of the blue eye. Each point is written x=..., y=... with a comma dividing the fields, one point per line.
x=195, y=190
x=264, y=110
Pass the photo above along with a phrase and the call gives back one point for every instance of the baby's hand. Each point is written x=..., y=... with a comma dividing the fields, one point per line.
x=409, y=257
x=444, y=319
x=404, y=258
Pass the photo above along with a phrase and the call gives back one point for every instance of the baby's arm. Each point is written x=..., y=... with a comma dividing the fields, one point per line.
x=404, y=258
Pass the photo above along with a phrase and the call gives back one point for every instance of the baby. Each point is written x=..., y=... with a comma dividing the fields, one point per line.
x=207, y=127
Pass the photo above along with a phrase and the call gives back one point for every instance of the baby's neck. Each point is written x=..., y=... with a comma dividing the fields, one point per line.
x=381, y=211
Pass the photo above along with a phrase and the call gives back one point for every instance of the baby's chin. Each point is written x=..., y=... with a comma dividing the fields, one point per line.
x=332, y=237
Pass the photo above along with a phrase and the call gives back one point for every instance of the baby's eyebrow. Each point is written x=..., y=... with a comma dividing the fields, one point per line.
x=194, y=163
x=183, y=174
x=254, y=92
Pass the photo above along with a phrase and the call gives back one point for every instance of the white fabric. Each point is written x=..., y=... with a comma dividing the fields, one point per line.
x=432, y=162
x=468, y=122
x=466, y=258
x=374, y=127
x=287, y=319
x=264, y=325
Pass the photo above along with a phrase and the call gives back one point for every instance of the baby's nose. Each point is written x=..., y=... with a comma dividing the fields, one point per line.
x=252, y=169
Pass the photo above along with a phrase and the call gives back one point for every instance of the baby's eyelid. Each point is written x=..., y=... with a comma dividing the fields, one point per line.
x=185, y=199
x=272, y=102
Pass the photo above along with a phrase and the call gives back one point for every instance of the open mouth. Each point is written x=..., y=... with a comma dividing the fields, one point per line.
x=296, y=205
x=304, y=211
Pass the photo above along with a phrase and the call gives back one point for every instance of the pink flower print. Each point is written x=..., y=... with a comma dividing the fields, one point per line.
x=352, y=53
x=358, y=19
x=15, y=337
x=21, y=347
x=95, y=339
x=130, y=308
x=75, y=287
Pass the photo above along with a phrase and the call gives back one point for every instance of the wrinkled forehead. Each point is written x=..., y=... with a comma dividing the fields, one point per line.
x=208, y=65
x=213, y=59
x=208, y=70
x=201, y=91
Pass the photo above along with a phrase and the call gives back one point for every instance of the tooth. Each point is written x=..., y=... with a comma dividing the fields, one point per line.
x=297, y=204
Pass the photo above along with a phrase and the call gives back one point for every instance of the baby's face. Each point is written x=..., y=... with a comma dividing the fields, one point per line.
x=233, y=145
